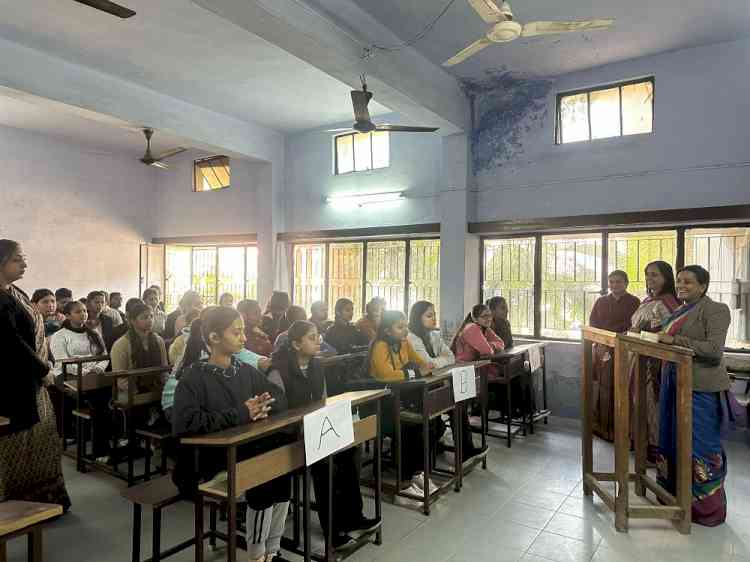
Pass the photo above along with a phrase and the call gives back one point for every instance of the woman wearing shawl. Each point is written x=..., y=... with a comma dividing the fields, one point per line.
x=660, y=303
x=699, y=324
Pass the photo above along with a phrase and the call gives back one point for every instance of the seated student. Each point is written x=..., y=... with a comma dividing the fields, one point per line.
x=475, y=339
x=158, y=291
x=139, y=348
x=177, y=348
x=424, y=336
x=194, y=302
x=298, y=374
x=189, y=300
x=62, y=296
x=109, y=313
x=97, y=321
x=76, y=339
x=294, y=314
x=218, y=393
x=369, y=323
x=226, y=299
x=151, y=298
x=392, y=358
x=500, y=324
x=122, y=329
x=257, y=340
x=319, y=316
x=115, y=302
x=274, y=320
x=343, y=335
x=45, y=303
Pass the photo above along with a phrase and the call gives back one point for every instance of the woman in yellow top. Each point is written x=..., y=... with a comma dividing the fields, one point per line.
x=392, y=358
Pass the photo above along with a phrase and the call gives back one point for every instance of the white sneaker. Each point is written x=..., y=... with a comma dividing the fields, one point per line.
x=413, y=491
x=418, y=482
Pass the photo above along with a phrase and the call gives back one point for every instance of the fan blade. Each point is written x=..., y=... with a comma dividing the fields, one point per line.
x=159, y=164
x=170, y=153
x=109, y=7
x=487, y=10
x=550, y=27
x=360, y=99
x=472, y=49
x=345, y=130
x=405, y=129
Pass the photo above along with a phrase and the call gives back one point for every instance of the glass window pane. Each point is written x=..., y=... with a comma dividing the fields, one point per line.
x=362, y=154
x=605, y=113
x=345, y=154
x=571, y=282
x=574, y=118
x=232, y=272
x=345, y=275
x=631, y=252
x=309, y=274
x=509, y=272
x=424, y=272
x=177, y=279
x=386, y=272
x=204, y=274
x=211, y=173
x=381, y=157
x=251, y=277
x=724, y=253
x=638, y=108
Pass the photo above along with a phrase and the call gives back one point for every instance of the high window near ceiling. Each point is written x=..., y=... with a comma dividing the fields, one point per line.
x=400, y=271
x=558, y=302
x=603, y=112
x=211, y=174
x=211, y=271
x=359, y=152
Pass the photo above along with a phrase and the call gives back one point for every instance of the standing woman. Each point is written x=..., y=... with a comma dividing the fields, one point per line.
x=699, y=324
x=30, y=455
x=660, y=303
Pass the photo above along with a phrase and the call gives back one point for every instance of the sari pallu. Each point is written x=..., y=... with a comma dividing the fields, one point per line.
x=711, y=412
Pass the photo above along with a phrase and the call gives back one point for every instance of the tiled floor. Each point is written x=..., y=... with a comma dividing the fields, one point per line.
x=527, y=506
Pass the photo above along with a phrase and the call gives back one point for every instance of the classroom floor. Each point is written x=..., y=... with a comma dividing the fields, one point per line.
x=527, y=506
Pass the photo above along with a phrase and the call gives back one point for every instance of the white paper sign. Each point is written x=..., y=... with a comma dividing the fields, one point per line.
x=327, y=430
x=464, y=383
x=535, y=358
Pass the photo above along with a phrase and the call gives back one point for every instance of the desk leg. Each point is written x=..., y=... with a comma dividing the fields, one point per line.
x=586, y=436
x=684, y=455
x=232, y=507
x=329, y=516
x=544, y=383
x=35, y=545
x=426, y=451
x=458, y=445
x=622, y=437
x=378, y=476
x=531, y=405
x=136, y=532
x=156, y=536
x=397, y=435
x=295, y=507
x=306, y=512
x=509, y=406
x=484, y=405
x=131, y=449
x=3, y=553
x=199, y=555
x=640, y=425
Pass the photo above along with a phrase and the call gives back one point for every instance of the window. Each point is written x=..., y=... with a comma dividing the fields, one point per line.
x=359, y=152
x=631, y=252
x=610, y=111
x=400, y=271
x=211, y=271
x=210, y=174
x=509, y=273
x=724, y=253
x=571, y=283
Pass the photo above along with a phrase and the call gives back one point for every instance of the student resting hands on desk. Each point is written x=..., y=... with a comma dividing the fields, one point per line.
x=219, y=393
x=392, y=358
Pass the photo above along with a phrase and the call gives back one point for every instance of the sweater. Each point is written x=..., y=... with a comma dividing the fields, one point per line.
x=345, y=337
x=473, y=342
x=121, y=357
x=386, y=364
x=301, y=388
x=443, y=354
x=67, y=344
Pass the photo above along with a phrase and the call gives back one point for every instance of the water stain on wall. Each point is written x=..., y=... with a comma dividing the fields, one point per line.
x=507, y=107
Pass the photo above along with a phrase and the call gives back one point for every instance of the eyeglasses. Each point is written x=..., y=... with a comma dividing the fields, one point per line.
x=486, y=315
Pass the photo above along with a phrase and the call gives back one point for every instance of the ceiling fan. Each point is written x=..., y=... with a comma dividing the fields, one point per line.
x=149, y=159
x=363, y=123
x=505, y=28
x=109, y=7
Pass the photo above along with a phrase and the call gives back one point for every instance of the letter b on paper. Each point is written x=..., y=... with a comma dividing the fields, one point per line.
x=327, y=430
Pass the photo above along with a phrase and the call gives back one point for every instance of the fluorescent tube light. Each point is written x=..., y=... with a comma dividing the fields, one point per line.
x=365, y=199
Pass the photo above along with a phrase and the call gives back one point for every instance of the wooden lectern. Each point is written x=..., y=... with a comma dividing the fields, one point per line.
x=629, y=350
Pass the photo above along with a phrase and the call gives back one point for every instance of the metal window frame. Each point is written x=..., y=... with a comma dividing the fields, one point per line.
x=588, y=91
x=354, y=160
x=208, y=159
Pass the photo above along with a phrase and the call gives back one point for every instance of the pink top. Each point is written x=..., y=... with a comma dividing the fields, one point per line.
x=472, y=343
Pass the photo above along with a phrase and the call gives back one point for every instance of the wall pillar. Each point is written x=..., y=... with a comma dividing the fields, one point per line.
x=272, y=271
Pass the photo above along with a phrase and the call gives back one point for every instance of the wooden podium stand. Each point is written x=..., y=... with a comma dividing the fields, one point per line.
x=626, y=351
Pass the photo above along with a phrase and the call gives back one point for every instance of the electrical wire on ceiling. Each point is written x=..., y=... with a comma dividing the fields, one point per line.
x=368, y=52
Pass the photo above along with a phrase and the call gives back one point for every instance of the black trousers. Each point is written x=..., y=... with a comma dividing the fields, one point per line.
x=347, y=497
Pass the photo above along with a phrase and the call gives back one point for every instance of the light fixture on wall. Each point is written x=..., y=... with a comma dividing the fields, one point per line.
x=350, y=201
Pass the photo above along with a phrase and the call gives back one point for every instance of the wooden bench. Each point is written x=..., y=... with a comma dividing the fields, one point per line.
x=158, y=494
x=25, y=518
x=153, y=435
x=4, y=426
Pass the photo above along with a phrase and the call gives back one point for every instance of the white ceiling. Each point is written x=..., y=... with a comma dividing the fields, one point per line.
x=642, y=27
x=179, y=49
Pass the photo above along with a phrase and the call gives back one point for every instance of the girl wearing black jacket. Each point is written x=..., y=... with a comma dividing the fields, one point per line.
x=218, y=393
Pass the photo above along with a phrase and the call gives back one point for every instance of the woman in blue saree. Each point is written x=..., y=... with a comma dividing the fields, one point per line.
x=701, y=325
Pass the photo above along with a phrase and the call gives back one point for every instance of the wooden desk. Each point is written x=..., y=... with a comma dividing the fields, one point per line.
x=19, y=518
x=4, y=426
x=247, y=474
x=508, y=360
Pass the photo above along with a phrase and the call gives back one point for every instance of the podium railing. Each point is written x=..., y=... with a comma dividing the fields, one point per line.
x=633, y=351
